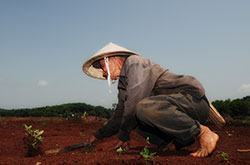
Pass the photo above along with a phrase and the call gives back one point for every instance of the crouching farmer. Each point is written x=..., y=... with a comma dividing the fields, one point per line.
x=157, y=103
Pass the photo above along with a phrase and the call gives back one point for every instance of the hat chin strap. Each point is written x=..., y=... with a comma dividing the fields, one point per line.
x=108, y=70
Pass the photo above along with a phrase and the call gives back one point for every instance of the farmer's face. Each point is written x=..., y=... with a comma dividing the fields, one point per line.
x=114, y=68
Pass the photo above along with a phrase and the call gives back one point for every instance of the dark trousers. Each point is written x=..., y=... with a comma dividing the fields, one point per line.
x=175, y=117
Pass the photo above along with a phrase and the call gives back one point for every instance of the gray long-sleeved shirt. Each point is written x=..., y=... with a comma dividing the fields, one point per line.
x=140, y=78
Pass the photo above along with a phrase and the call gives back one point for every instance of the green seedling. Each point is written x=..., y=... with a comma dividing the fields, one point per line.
x=146, y=153
x=85, y=115
x=34, y=136
x=33, y=141
x=224, y=157
x=121, y=150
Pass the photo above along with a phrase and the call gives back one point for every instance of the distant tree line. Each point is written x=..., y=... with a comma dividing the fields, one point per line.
x=237, y=109
x=72, y=110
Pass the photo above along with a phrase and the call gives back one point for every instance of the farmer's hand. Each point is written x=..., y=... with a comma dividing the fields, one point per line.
x=92, y=139
x=124, y=145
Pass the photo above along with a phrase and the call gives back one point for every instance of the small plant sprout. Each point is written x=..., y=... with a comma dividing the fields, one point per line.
x=224, y=157
x=146, y=154
x=33, y=140
x=121, y=150
x=34, y=135
x=85, y=115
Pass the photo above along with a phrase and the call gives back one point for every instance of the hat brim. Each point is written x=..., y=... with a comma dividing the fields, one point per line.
x=91, y=71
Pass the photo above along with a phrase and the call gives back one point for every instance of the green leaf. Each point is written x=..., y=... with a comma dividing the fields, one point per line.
x=153, y=154
x=120, y=150
x=224, y=155
x=146, y=151
x=39, y=133
x=34, y=135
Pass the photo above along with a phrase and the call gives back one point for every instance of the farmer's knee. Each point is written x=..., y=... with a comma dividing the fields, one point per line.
x=145, y=109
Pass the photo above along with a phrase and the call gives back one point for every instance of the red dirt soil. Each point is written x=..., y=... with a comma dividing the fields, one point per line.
x=60, y=133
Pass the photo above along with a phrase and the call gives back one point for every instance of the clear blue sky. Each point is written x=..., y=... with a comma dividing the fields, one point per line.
x=44, y=43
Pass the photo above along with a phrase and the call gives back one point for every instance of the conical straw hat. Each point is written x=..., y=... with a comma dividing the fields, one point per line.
x=109, y=50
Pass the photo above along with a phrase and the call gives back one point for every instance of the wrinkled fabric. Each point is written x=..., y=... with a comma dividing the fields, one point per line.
x=177, y=117
x=141, y=78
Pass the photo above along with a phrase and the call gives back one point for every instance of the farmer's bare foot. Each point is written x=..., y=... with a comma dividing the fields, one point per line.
x=208, y=140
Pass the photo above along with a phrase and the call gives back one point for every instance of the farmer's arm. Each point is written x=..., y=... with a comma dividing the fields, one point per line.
x=139, y=85
x=112, y=126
